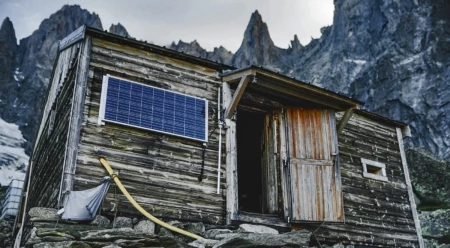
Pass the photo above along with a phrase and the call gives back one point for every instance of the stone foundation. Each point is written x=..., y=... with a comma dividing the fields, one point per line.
x=49, y=232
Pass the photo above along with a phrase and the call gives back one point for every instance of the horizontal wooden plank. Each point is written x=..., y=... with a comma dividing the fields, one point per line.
x=306, y=161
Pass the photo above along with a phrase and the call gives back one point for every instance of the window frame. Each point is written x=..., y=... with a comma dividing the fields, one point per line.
x=381, y=166
x=102, y=109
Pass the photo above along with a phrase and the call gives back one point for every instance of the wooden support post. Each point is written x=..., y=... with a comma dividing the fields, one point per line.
x=237, y=97
x=347, y=115
x=409, y=187
x=231, y=161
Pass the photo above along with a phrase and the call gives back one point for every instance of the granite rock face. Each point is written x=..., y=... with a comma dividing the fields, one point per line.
x=220, y=54
x=29, y=66
x=429, y=177
x=392, y=55
x=9, y=87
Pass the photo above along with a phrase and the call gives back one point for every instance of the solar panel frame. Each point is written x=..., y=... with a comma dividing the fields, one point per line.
x=148, y=122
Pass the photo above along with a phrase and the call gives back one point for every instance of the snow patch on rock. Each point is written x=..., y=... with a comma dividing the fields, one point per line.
x=13, y=160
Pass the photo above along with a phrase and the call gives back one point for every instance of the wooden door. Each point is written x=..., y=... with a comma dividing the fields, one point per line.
x=312, y=167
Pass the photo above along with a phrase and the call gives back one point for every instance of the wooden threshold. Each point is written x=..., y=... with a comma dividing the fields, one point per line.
x=272, y=220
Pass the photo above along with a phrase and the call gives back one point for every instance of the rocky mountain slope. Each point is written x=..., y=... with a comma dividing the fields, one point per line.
x=220, y=54
x=392, y=55
x=27, y=67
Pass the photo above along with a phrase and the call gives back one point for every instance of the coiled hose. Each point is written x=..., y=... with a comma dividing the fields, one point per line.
x=139, y=208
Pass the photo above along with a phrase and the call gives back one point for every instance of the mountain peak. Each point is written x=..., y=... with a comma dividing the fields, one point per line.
x=257, y=47
x=119, y=29
x=256, y=16
x=7, y=25
x=7, y=33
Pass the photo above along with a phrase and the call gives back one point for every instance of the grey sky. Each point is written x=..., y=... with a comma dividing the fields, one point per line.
x=210, y=22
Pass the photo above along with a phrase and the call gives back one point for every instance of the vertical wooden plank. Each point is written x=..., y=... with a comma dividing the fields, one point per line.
x=336, y=165
x=320, y=193
x=300, y=137
x=328, y=184
x=231, y=160
x=295, y=192
x=326, y=139
x=409, y=187
x=271, y=173
x=283, y=164
x=76, y=116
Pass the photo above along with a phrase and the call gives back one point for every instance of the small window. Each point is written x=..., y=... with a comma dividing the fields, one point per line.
x=146, y=107
x=374, y=170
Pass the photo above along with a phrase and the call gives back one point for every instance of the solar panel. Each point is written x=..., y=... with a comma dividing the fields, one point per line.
x=147, y=107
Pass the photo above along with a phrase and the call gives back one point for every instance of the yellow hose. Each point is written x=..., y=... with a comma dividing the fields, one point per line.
x=139, y=208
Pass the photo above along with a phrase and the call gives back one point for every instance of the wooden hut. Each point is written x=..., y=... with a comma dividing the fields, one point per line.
x=195, y=140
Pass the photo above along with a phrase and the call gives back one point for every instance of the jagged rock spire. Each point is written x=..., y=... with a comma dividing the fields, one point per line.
x=295, y=44
x=257, y=47
x=119, y=29
x=7, y=32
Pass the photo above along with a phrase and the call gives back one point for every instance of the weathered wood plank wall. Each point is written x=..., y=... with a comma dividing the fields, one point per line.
x=160, y=171
x=377, y=213
x=48, y=155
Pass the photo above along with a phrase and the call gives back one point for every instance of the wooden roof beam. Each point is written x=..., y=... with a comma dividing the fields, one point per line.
x=299, y=95
x=235, y=75
x=237, y=96
x=347, y=115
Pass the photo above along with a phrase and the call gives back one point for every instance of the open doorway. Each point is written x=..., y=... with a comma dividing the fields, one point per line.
x=250, y=147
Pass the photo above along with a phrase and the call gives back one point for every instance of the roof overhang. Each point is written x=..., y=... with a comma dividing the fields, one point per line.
x=273, y=82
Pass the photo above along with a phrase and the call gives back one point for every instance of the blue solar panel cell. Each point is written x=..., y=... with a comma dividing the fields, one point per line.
x=155, y=109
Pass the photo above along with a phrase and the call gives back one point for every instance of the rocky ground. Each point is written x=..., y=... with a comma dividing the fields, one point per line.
x=430, y=177
x=48, y=232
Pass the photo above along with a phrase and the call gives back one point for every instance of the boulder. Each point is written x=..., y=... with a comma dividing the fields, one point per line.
x=225, y=235
x=122, y=222
x=112, y=246
x=203, y=243
x=101, y=221
x=43, y=214
x=436, y=225
x=64, y=244
x=212, y=233
x=113, y=234
x=145, y=226
x=429, y=177
x=57, y=238
x=2, y=238
x=53, y=233
x=197, y=228
x=164, y=232
x=290, y=239
x=247, y=228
